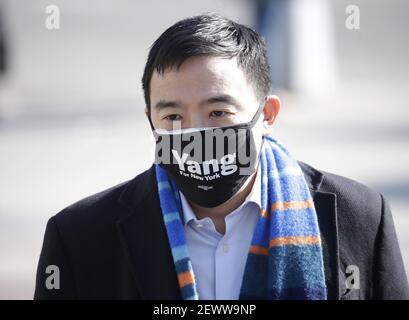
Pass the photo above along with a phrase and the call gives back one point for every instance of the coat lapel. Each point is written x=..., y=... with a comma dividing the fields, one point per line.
x=326, y=208
x=144, y=239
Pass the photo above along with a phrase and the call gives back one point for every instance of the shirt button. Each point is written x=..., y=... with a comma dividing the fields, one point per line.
x=226, y=248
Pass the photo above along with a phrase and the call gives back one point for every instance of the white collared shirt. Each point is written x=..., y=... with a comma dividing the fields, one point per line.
x=219, y=260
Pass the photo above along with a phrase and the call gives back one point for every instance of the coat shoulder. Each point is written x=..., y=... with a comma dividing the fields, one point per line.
x=352, y=193
x=342, y=186
x=359, y=207
x=355, y=200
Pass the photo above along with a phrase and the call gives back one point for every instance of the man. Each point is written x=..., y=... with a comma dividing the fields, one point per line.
x=238, y=225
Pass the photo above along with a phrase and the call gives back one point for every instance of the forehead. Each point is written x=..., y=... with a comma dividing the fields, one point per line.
x=199, y=76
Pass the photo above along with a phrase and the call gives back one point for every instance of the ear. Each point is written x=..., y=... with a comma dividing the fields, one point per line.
x=272, y=107
x=147, y=113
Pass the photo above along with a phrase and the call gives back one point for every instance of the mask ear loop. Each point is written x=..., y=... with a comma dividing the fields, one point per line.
x=150, y=122
x=253, y=122
x=257, y=115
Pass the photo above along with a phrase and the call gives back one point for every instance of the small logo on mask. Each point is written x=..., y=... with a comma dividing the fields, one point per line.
x=205, y=188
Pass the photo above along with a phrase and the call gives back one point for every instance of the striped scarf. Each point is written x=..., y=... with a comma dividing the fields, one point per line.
x=285, y=259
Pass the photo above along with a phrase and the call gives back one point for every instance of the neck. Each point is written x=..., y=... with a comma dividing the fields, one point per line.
x=217, y=214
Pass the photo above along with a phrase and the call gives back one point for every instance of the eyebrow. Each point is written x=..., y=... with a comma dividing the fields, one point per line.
x=163, y=104
x=224, y=98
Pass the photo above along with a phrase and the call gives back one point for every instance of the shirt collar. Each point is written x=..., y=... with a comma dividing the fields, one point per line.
x=254, y=196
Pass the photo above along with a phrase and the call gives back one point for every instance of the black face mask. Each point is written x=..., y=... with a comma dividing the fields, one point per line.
x=208, y=165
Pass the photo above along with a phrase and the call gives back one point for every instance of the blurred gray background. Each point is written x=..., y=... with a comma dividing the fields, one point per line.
x=71, y=106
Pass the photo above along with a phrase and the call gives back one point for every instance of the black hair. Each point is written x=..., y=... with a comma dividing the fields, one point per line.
x=215, y=35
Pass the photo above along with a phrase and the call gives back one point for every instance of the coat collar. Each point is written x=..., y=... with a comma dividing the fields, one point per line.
x=143, y=235
x=325, y=203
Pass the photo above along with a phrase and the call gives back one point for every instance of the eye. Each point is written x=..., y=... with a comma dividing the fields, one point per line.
x=173, y=117
x=218, y=113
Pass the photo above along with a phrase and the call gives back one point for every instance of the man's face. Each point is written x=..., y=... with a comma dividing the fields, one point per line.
x=206, y=91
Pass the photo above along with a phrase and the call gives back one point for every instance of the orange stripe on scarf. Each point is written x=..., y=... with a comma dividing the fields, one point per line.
x=185, y=278
x=285, y=241
x=259, y=250
x=285, y=205
x=295, y=241
x=292, y=205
